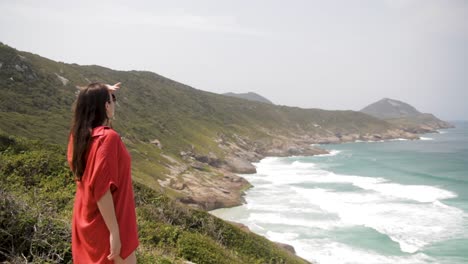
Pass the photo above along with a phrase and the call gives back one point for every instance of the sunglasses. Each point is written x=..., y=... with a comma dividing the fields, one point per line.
x=114, y=99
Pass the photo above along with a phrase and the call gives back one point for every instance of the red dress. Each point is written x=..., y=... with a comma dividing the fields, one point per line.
x=108, y=166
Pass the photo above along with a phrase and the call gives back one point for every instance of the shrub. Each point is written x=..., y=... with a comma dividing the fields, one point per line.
x=200, y=249
x=31, y=233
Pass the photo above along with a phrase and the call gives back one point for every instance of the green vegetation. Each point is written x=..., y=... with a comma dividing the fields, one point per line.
x=35, y=200
x=36, y=197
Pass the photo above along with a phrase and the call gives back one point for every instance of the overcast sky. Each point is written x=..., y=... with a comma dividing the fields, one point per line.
x=312, y=54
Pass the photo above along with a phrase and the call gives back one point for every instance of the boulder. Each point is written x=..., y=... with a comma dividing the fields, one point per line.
x=238, y=165
x=286, y=246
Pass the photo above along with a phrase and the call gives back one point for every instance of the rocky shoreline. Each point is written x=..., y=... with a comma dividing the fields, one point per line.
x=209, y=182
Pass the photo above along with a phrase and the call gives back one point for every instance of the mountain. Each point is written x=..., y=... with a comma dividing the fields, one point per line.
x=389, y=108
x=405, y=116
x=250, y=96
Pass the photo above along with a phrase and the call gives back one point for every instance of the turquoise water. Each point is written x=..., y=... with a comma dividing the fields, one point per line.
x=366, y=202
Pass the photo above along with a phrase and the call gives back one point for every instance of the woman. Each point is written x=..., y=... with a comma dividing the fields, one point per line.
x=104, y=228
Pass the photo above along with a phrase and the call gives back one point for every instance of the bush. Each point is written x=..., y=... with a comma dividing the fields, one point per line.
x=37, y=188
x=200, y=249
x=31, y=233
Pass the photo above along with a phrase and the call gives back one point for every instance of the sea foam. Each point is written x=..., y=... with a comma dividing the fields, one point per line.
x=326, y=251
x=389, y=208
x=425, y=138
x=293, y=194
x=331, y=154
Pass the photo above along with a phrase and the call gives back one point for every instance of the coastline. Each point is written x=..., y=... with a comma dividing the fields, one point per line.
x=420, y=137
x=241, y=158
x=211, y=181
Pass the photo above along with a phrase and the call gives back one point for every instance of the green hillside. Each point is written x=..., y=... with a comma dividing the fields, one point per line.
x=37, y=94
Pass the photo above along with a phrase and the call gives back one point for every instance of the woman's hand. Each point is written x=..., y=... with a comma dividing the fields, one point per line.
x=113, y=88
x=115, y=245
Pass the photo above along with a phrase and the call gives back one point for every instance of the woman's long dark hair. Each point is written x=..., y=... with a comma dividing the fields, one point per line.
x=89, y=112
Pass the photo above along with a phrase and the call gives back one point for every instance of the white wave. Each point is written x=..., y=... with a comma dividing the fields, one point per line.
x=425, y=138
x=398, y=139
x=283, y=208
x=301, y=172
x=286, y=236
x=278, y=174
x=268, y=160
x=325, y=251
x=281, y=173
x=411, y=215
x=419, y=193
x=331, y=154
x=391, y=217
x=303, y=165
x=382, y=209
x=279, y=219
x=369, y=141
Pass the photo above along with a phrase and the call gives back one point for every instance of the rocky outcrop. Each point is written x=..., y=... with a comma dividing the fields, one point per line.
x=157, y=143
x=19, y=68
x=287, y=247
x=62, y=79
x=239, y=165
x=224, y=191
x=201, y=186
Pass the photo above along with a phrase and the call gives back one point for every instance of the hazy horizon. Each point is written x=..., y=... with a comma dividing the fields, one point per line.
x=334, y=55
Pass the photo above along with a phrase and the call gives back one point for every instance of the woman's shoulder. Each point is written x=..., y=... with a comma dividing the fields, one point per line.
x=107, y=133
x=111, y=133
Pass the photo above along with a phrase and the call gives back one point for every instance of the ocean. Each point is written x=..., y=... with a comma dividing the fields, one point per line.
x=399, y=201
